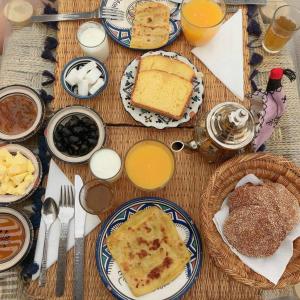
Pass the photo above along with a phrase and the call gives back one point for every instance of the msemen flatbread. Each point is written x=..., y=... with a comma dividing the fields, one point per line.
x=148, y=250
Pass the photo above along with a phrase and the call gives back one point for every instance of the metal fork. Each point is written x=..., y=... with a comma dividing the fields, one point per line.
x=100, y=13
x=66, y=213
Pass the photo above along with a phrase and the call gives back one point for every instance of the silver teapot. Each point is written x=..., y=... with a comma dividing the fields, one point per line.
x=228, y=129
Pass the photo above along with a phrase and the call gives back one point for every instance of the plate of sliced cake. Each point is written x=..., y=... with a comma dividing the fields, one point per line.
x=161, y=89
x=147, y=24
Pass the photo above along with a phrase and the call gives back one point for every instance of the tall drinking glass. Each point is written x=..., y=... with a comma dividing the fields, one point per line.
x=201, y=19
x=93, y=40
x=286, y=21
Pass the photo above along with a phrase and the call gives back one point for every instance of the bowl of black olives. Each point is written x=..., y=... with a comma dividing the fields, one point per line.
x=74, y=133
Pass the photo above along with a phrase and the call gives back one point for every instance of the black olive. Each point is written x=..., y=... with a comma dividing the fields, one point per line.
x=78, y=130
x=73, y=139
x=74, y=147
x=93, y=127
x=66, y=132
x=87, y=121
x=93, y=134
x=68, y=124
x=92, y=142
x=60, y=147
x=84, y=148
x=66, y=140
x=74, y=121
x=59, y=128
x=70, y=151
x=57, y=136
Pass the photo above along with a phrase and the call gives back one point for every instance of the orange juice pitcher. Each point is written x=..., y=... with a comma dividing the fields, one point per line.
x=201, y=19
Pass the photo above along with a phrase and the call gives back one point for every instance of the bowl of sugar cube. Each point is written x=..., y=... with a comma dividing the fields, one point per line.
x=84, y=77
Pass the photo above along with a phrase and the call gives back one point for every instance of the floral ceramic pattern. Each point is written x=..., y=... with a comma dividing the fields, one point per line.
x=151, y=119
x=112, y=276
x=120, y=31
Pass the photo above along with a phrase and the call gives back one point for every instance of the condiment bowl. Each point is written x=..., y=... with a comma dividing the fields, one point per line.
x=7, y=93
x=17, y=236
x=62, y=117
x=78, y=63
x=7, y=200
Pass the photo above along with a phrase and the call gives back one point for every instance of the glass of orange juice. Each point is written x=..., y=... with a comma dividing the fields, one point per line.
x=201, y=19
x=286, y=21
x=149, y=164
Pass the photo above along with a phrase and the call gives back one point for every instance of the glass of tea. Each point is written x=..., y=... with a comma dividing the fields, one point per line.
x=201, y=20
x=286, y=21
x=96, y=196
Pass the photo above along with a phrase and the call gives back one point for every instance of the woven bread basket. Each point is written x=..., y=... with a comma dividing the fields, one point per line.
x=264, y=166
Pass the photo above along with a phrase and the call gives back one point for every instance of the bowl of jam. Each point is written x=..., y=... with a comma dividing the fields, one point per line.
x=21, y=113
x=16, y=236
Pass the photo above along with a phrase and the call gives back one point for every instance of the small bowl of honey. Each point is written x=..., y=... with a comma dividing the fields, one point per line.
x=21, y=113
x=16, y=236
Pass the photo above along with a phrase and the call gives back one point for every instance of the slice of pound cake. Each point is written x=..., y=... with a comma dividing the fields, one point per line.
x=162, y=92
x=167, y=64
x=150, y=28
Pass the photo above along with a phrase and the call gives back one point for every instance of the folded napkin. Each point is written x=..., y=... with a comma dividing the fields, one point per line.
x=223, y=55
x=56, y=178
x=271, y=267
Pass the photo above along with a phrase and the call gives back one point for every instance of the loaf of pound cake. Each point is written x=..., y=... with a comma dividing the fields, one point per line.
x=151, y=27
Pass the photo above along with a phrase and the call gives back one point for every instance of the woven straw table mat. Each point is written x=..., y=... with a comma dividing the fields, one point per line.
x=109, y=104
x=186, y=186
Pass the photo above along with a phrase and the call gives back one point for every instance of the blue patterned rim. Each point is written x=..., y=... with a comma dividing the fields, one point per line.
x=123, y=35
x=180, y=218
x=76, y=62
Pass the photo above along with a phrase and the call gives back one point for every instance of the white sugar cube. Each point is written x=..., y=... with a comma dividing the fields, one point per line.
x=72, y=78
x=83, y=87
x=86, y=68
x=93, y=75
x=94, y=88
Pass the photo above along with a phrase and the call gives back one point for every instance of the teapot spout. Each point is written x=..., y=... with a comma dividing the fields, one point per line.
x=178, y=146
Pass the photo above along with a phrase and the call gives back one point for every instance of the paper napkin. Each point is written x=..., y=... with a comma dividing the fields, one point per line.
x=271, y=267
x=223, y=55
x=56, y=178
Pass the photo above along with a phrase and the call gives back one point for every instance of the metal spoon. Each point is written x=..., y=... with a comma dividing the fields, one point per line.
x=49, y=215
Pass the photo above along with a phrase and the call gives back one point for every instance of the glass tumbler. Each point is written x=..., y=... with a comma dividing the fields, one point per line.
x=286, y=21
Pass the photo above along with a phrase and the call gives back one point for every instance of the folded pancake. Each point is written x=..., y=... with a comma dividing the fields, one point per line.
x=148, y=250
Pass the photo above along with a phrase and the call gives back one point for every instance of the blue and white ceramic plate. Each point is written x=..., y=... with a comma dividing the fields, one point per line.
x=120, y=31
x=112, y=276
x=151, y=119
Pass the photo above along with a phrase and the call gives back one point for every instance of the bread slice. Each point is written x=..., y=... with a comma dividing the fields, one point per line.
x=150, y=28
x=162, y=92
x=167, y=64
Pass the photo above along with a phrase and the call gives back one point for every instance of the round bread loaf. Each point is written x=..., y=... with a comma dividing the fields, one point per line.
x=254, y=230
x=250, y=194
x=286, y=204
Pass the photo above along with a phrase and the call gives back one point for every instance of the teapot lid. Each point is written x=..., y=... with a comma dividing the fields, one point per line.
x=230, y=125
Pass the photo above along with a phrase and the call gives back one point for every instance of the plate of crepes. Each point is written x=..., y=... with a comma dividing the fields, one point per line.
x=149, y=249
x=161, y=89
x=147, y=24
x=20, y=173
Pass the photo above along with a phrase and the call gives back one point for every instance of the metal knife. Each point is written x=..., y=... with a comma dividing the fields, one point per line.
x=245, y=2
x=80, y=215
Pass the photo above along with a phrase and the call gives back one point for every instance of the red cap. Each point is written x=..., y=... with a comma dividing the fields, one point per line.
x=276, y=73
